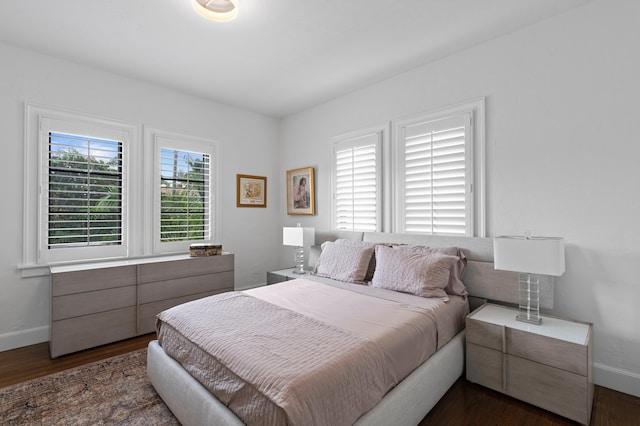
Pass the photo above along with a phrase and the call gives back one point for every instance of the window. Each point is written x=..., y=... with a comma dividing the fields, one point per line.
x=94, y=191
x=434, y=185
x=184, y=201
x=184, y=189
x=85, y=191
x=81, y=197
x=356, y=181
x=435, y=172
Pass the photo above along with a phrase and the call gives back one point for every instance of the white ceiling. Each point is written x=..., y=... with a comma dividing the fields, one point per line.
x=279, y=56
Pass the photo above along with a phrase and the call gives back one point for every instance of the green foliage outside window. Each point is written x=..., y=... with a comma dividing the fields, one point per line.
x=183, y=196
x=85, y=199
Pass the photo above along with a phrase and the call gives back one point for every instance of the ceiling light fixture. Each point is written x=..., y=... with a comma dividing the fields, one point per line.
x=217, y=10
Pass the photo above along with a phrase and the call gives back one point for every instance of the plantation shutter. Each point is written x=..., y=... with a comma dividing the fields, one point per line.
x=184, y=195
x=84, y=191
x=434, y=189
x=356, y=183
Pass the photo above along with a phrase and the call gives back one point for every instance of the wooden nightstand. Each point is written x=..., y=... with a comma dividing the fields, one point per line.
x=548, y=365
x=283, y=275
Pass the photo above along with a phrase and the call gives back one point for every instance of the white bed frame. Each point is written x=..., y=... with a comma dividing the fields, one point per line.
x=406, y=404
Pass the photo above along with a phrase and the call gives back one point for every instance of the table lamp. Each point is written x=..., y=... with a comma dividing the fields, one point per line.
x=300, y=238
x=531, y=257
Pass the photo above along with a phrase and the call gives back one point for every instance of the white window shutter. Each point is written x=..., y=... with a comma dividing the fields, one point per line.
x=434, y=189
x=356, y=182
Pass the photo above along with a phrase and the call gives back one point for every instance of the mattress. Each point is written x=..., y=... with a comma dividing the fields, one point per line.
x=307, y=351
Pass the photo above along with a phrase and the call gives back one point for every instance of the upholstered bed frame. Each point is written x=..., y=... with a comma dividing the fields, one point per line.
x=412, y=398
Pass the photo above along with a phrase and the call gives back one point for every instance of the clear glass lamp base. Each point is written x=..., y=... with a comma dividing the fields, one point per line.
x=299, y=261
x=529, y=299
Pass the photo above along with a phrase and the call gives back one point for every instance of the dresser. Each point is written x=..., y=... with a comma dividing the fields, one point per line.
x=548, y=365
x=99, y=303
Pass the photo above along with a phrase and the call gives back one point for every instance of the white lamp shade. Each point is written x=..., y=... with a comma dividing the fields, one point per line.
x=298, y=237
x=536, y=255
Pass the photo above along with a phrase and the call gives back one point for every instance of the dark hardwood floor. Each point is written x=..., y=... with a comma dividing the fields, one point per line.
x=29, y=362
x=464, y=404
x=470, y=404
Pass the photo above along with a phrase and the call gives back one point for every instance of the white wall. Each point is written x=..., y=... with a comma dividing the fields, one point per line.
x=248, y=144
x=562, y=155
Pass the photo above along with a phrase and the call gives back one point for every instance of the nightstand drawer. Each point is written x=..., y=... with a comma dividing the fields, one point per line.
x=550, y=388
x=485, y=367
x=485, y=334
x=547, y=350
x=548, y=365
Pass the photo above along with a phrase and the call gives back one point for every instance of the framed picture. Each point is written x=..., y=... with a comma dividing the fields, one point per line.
x=301, y=191
x=252, y=191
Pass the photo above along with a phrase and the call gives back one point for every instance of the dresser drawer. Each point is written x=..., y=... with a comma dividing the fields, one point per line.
x=160, y=290
x=549, y=351
x=92, y=279
x=151, y=272
x=553, y=389
x=91, y=302
x=76, y=334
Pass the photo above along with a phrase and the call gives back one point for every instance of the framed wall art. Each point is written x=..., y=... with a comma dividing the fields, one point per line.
x=300, y=191
x=252, y=191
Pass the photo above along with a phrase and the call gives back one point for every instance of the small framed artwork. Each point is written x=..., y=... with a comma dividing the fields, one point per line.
x=301, y=191
x=252, y=191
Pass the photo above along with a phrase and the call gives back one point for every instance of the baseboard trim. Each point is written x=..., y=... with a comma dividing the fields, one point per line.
x=18, y=339
x=616, y=379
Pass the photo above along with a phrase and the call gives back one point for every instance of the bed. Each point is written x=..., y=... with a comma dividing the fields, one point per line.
x=335, y=326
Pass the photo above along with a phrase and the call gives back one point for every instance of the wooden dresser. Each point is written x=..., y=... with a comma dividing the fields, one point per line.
x=548, y=365
x=99, y=303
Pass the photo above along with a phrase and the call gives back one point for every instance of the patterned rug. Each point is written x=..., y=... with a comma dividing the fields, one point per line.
x=112, y=391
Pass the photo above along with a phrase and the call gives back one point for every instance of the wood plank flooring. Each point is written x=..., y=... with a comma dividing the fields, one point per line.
x=29, y=362
x=464, y=404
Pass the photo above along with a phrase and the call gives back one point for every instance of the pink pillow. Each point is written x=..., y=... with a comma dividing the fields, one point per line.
x=455, y=285
x=372, y=263
x=344, y=262
x=412, y=271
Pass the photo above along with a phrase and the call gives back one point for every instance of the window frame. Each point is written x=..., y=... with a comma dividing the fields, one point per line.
x=381, y=132
x=155, y=140
x=474, y=158
x=76, y=175
x=38, y=121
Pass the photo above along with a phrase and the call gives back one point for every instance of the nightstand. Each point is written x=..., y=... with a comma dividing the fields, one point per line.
x=548, y=365
x=283, y=275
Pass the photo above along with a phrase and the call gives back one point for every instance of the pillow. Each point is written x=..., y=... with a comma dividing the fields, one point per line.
x=372, y=263
x=344, y=262
x=455, y=285
x=411, y=271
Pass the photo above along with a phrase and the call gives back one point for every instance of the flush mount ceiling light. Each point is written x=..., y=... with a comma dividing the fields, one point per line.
x=217, y=10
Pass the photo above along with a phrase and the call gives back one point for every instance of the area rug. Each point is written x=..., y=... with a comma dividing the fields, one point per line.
x=112, y=391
